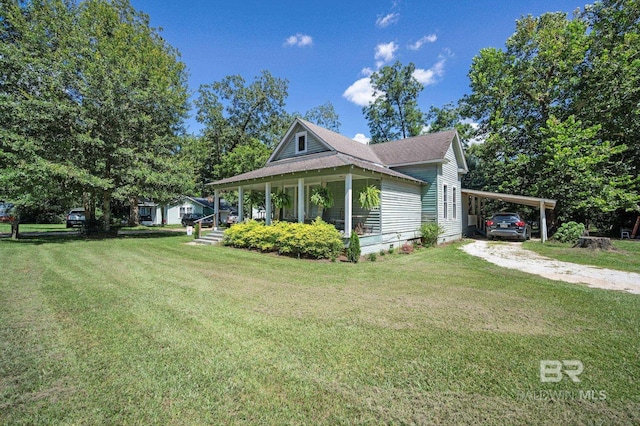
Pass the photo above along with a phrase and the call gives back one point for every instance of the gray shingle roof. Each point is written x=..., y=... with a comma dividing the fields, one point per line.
x=418, y=149
x=333, y=160
x=342, y=143
x=347, y=152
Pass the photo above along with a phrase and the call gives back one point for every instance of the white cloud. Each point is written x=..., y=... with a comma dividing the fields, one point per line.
x=360, y=92
x=385, y=53
x=299, y=40
x=389, y=19
x=426, y=39
x=366, y=72
x=431, y=75
x=359, y=137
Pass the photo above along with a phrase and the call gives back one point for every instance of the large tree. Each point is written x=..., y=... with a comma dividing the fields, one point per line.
x=134, y=100
x=394, y=114
x=609, y=93
x=91, y=98
x=234, y=113
x=245, y=118
x=525, y=98
x=40, y=107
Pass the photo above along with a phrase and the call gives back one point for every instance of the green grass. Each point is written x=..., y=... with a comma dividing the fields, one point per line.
x=5, y=228
x=27, y=227
x=149, y=330
x=626, y=257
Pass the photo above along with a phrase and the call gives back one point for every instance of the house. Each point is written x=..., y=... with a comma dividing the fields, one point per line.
x=151, y=213
x=419, y=179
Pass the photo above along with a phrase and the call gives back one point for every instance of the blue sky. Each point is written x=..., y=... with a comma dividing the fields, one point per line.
x=327, y=49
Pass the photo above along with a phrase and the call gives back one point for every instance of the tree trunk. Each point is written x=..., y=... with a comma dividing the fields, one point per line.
x=106, y=210
x=593, y=243
x=163, y=220
x=134, y=214
x=15, y=229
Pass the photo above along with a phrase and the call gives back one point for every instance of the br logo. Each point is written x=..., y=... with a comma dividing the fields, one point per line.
x=552, y=371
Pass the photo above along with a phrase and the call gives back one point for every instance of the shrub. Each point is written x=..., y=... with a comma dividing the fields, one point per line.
x=430, y=231
x=382, y=252
x=317, y=240
x=372, y=257
x=569, y=232
x=353, y=251
x=392, y=250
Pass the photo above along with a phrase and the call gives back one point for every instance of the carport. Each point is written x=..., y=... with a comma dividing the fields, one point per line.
x=473, y=202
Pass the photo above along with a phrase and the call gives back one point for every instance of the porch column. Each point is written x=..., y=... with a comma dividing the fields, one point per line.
x=240, y=203
x=300, y=200
x=216, y=209
x=348, y=206
x=543, y=222
x=267, y=203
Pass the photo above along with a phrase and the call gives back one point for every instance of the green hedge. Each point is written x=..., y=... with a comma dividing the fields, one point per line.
x=317, y=240
x=569, y=232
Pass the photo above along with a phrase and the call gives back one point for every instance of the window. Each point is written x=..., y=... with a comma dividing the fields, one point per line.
x=445, y=202
x=455, y=204
x=301, y=142
x=185, y=210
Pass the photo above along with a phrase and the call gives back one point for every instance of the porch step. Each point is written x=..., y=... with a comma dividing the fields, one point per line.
x=213, y=237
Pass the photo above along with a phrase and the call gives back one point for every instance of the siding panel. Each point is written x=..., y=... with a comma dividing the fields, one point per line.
x=401, y=206
x=429, y=174
x=289, y=148
x=449, y=176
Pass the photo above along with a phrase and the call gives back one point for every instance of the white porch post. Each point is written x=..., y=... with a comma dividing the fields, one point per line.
x=543, y=222
x=240, y=203
x=300, y=200
x=348, y=204
x=267, y=203
x=216, y=209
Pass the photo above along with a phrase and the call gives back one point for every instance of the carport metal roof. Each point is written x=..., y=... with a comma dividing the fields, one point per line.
x=510, y=198
x=542, y=203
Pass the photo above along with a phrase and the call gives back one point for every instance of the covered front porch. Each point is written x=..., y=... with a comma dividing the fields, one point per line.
x=296, y=190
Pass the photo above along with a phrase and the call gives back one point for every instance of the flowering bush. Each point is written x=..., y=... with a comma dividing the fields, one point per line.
x=318, y=240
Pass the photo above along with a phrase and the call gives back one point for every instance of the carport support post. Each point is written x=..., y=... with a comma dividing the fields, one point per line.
x=543, y=222
x=267, y=203
x=300, y=200
x=216, y=209
x=240, y=204
x=348, y=204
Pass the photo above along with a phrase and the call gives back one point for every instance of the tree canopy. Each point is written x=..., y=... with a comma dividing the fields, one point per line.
x=546, y=104
x=394, y=114
x=243, y=122
x=91, y=101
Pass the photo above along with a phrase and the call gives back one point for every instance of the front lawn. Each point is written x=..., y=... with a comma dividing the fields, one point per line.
x=626, y=257
x=5, y=228
x=149, y=330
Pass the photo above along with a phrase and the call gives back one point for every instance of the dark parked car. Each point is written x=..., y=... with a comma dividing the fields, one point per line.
x=508, y=225
x=75, y=217
x=189, y=219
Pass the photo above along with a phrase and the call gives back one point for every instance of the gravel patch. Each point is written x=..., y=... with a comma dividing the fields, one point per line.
x=513, y=256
